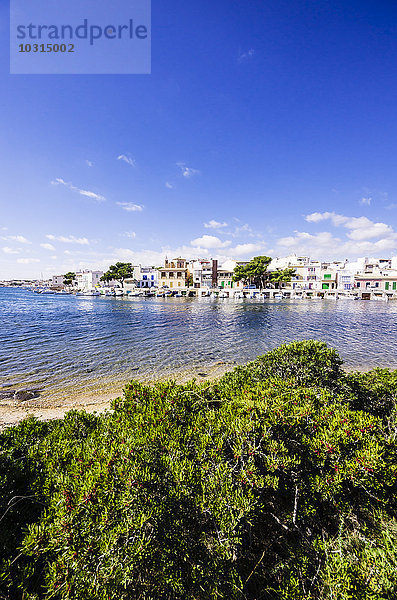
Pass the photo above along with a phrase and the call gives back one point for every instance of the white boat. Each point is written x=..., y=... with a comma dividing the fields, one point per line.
x=118, y=292
x=223, y=295
x=90, y=293
x=278, y=295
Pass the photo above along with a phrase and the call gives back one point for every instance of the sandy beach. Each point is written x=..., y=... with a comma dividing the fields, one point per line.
x=14, y=411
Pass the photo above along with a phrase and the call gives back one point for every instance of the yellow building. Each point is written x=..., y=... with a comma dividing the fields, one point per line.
x=174, y=274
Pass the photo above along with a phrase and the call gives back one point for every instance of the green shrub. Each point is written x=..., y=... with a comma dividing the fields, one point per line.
x=264, y=484
x=309, y=363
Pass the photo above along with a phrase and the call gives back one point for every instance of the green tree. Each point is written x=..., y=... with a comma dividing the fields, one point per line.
x=120, y=271
x=280, y=276
x=254, y=272
x=68, y=278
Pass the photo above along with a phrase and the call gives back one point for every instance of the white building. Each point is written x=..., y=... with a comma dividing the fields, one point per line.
x=146, y=277
x=88, y=280
x=57, y=281
x=204, y=272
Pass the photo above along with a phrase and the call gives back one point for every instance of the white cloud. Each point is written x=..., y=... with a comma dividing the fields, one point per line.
x=8, y=250
x=130, y=234
x=365, y=201
x=16, y=238
x=245, y=250
x=360, y=228
x=89, y=163
x=92, y=195
x=169, y=185
x=320, y=240
x=244, y=56
x=70, y=186
x=187, y=172
x=70, y=239
x=210, y=241
x=318, y=217
x=214, y=224
x=47, y=246
x=127, y=159
x=130, y=207
x=27, y=261
x=359, y=239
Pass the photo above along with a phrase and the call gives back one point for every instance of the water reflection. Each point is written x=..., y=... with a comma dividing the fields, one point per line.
x=62, y=342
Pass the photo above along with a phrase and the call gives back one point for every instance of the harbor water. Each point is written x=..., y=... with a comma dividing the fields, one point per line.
x=72, y=346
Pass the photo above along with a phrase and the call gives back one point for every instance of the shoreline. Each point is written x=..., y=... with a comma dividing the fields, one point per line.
x=13, y=412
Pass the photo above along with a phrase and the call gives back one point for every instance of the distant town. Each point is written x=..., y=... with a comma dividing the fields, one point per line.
x=290, y=277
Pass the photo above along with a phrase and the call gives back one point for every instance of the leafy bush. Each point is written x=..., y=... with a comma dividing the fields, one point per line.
x=270, y=485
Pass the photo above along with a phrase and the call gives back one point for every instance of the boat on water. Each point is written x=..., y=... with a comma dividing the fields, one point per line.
x=347, y=296
x=278, y=295
x=118, y=292
x=135, y=294
x=89, y=293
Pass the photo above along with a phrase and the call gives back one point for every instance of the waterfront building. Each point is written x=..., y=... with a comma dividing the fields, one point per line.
x=57, y=281
x=225, y=275
x=88, y=280
x=144, y=278
x=174, y=274
x=204, y=273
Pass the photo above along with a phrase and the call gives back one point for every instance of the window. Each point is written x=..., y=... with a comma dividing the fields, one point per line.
x=327, y=276
x=386, y=285
x=394, y=285
x=358, y=284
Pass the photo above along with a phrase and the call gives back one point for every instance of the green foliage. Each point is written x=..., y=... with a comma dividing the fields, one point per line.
x=68, y=278
x=119, y=272
x=254, y=272
x=374, y=391
x=281, y=276
x=308, y=363
x=269, y=483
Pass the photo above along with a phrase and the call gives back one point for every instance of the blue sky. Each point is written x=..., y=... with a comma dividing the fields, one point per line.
x=265, y=127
